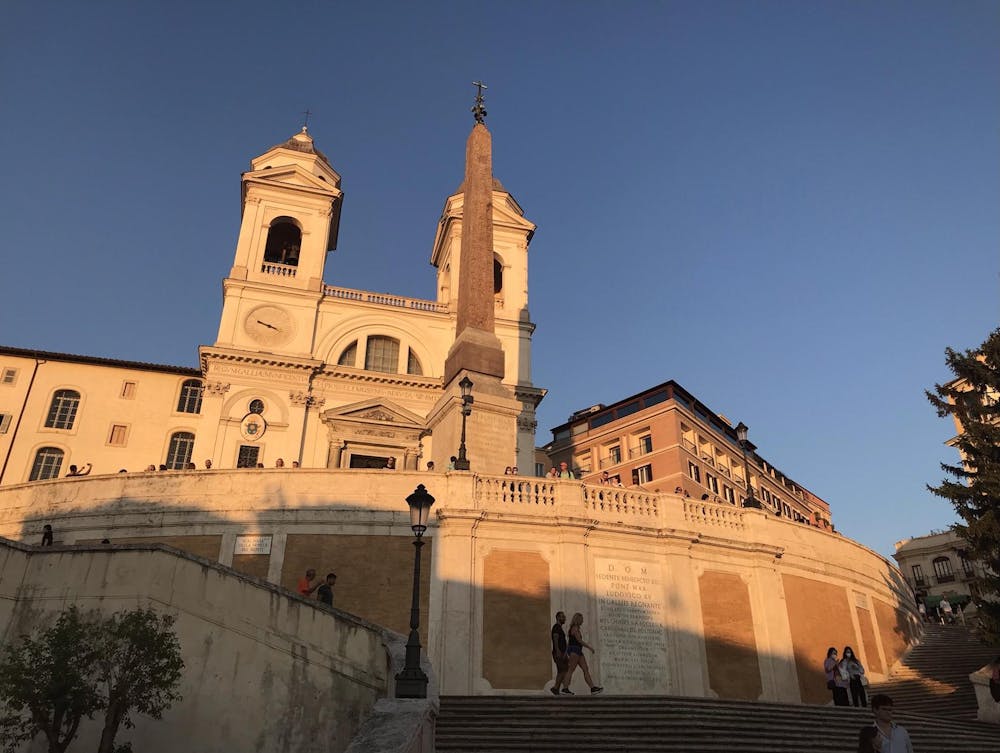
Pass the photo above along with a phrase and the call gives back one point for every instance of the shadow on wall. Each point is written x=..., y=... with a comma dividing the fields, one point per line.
x=644, y=625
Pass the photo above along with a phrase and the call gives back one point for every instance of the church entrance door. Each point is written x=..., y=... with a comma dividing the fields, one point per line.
x=368, y=461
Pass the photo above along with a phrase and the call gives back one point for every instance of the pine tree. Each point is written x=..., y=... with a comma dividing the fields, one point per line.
x=972, y=398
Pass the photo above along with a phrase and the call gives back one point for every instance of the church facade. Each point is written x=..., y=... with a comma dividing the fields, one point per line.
x=301, y=372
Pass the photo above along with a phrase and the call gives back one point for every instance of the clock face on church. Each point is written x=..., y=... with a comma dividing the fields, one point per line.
x=269, y=325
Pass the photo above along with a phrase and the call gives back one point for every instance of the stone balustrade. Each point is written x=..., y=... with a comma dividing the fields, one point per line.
x=383, y=299
x=281, y=270
x=713, y=514
x=498, y=492
x=243, y=499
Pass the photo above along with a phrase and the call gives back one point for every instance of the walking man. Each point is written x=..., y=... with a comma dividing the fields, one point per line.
x=895, y=739
x=325, y=592
x=559, y=652
x=308, y=584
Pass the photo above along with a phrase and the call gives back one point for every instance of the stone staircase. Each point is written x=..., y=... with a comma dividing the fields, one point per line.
x=657, y=724
x=933, y=678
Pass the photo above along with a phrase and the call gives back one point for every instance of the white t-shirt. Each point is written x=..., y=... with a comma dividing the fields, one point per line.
x=897, y=741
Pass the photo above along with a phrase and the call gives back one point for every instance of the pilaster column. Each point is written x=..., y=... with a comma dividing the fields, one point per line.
x=277, y=561
x=410, y=459
x=336, y=452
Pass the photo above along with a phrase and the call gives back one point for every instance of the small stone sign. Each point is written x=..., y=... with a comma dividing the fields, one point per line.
x=253, y=544
x=631, y=626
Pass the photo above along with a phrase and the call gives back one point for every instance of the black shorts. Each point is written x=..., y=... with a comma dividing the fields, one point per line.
x=562, y=663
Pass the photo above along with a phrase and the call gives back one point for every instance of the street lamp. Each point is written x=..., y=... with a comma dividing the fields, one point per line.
x=741, y=434
x=462, y=462
x=412, y=682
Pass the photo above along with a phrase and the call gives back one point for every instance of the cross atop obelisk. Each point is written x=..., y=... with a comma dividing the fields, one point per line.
x=479, y=109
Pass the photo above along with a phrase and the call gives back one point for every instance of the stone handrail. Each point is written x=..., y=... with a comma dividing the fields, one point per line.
x=383, y=299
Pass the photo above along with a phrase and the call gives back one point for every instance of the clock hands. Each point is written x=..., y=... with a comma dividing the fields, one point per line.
x=269, y=326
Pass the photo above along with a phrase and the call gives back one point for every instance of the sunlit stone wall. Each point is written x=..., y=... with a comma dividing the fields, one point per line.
x=264, y=670
x=678, y=596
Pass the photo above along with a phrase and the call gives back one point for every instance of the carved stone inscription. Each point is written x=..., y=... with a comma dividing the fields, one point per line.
x=631, y=626
x=254, y=372
x=491, y=438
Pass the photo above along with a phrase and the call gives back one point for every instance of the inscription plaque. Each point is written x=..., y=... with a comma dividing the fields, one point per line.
x=631, y=626
x=252, y=544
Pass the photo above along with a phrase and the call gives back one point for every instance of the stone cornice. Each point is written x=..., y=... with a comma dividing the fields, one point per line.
x=347, y=374
x=252, y=358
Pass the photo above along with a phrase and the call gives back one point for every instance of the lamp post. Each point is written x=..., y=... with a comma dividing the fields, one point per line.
x=741, y=434
x=462, y=462
x=412, y=682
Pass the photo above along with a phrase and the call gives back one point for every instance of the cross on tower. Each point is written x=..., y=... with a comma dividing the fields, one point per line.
x=305, y=124
x=478, y=110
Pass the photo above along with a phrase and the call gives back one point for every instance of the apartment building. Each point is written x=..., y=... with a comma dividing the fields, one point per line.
x=937, y=565
x=664, y=439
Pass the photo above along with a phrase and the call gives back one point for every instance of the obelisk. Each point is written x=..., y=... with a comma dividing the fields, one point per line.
x=476, y=347
x=476, y=352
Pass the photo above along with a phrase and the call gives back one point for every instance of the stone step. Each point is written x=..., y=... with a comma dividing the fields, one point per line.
x=933, y=677
x=933, y=697
x=645, y=724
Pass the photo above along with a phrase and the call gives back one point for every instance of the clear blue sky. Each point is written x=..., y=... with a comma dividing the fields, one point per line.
x=791, y=208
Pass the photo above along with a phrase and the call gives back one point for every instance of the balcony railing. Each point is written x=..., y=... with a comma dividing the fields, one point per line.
x=950, y=578
x=919, y=582
x=725, y=471
x=708, y=459
x=383, y=299
x=638, y=452
x=608, y=461
x=281, y=270
x=688, y=445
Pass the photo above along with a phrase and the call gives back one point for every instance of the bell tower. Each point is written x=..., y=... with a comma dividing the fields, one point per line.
x=291, y=201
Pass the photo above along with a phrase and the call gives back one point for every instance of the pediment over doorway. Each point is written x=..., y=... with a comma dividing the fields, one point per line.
x=376, y=411
x=373, y=431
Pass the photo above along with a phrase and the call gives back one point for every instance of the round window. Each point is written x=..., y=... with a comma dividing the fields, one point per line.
x=257, y=406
